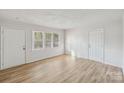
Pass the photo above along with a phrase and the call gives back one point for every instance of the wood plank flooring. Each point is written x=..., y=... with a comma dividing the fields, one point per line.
x=62, y=69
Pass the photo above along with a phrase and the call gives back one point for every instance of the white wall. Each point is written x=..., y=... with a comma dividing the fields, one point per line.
x=113, y=44
x=77, y=40
x=35, y=55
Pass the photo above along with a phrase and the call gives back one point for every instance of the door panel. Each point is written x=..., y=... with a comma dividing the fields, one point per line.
x=96, y=45
x=14, y=44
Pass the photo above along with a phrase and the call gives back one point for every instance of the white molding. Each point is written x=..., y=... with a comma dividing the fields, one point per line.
x=123, y=45
x=1, y=47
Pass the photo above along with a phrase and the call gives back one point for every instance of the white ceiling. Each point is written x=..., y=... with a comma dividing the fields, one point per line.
x=58, y=18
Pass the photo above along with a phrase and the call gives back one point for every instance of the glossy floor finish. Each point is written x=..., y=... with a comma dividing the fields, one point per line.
x=63, y=69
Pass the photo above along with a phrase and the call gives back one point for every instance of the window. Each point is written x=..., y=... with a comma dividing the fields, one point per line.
x=48, y=40
x=55, y=40
x=37, y=40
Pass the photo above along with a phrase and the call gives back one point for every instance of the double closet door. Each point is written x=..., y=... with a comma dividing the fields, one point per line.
x=13, y=47
x=96, y=45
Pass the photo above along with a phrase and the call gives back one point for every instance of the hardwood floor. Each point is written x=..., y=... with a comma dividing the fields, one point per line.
x=63, y=69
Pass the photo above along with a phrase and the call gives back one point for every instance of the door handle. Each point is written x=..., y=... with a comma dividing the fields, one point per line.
x=24, y=48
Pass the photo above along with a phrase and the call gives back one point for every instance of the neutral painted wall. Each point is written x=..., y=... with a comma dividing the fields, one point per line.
x=34, y=55
x=77, y=41
x=113, y=44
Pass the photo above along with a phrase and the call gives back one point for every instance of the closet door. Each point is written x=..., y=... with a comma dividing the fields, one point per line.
x=13, y=47
x=96, y=45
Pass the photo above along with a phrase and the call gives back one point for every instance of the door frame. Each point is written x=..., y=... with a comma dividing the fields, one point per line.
x=2, y=47
x=103, y=44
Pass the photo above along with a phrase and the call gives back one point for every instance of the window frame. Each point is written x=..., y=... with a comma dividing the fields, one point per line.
x=33, y=40
x=44, y=40
x=51, y=45
x=55, y=41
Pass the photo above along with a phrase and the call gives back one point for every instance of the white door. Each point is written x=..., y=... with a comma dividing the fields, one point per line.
x=13, y=48
x=96, y=45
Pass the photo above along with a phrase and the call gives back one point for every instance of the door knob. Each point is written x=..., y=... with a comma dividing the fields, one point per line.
x=24, y=48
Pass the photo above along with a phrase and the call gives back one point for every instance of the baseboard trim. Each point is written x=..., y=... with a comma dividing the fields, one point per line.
x=31, y=62
x=45, y=58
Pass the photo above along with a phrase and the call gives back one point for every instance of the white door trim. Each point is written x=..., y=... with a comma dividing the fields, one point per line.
x=2, y=47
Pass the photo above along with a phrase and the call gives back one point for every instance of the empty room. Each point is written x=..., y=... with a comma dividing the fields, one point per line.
x=61, y=45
